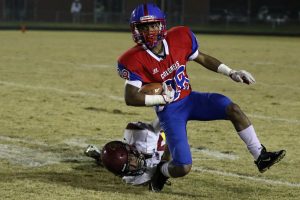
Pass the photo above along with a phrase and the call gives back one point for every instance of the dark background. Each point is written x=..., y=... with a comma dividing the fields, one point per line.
x=260, y=15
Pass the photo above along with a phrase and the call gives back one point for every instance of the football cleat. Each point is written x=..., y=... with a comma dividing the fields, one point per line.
x=267, y=159
x=93, y=152
x=158, y=180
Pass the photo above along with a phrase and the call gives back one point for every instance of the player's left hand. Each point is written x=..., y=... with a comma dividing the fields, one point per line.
x=242, y=76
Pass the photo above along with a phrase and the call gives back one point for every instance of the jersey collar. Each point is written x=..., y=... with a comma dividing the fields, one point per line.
x=166, y=47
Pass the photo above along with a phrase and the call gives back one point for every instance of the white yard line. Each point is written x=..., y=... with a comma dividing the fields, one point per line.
x=83, y=65
x=27, y=157
x=57, y=62
x=99, y=66
x=216, y=154
x=252, y=178
x=22, y=140
x=278, y=85
x=118, y=98
x=291, y=87
x=80, y=93
x=30, y=157
x=262, y=63
x=290, y=121
x=82, y=142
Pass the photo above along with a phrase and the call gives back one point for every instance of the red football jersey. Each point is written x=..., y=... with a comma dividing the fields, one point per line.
x=140, y=64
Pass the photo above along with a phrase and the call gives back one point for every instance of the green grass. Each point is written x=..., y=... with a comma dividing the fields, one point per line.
x=60, y=91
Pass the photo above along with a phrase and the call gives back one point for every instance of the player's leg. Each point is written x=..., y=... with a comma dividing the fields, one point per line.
x=173, y=122
x=181, y=162
x=263, y=159
x=213, y=106
x=244, y=129
x=177, y=141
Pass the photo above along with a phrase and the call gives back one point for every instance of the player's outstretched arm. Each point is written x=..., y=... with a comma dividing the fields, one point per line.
x=208, y=62
x=215, y=65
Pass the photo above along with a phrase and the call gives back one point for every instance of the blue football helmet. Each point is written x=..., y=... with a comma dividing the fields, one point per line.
x=146, y=14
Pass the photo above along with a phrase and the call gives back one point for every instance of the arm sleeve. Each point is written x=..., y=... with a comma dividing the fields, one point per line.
x=194, y=46
x=137, y=84
x=125, y=73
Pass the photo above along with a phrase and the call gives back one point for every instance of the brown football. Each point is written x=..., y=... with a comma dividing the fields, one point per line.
x=151, y=89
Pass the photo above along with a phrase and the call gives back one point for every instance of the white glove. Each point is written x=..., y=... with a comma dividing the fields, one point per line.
x=242, y=76
x=168, y=93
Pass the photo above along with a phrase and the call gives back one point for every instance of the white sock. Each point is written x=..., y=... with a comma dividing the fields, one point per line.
x=248, y=135
x=164, y=169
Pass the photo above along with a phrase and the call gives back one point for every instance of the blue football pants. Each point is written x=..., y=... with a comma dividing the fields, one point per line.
x=173, y=120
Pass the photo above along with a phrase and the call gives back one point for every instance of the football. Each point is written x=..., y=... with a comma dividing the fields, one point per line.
x=151, y=89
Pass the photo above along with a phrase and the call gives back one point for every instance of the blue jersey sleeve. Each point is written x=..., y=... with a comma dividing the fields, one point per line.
x=127, y=74
x=195, y=45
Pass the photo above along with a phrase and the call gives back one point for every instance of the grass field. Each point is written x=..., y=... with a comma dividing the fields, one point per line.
x=60, y=91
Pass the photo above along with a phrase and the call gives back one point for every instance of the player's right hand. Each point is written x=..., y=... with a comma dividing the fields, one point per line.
x=168, y=93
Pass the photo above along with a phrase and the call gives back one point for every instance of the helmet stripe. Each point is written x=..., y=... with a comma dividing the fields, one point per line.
x=145, y=10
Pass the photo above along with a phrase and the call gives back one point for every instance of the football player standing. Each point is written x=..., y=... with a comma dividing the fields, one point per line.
x=161, y=56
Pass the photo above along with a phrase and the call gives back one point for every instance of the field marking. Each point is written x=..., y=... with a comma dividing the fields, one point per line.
x=96, y=66
x=215, y=154
x=291, y=121
x=30, y=157
x=80, y=93
x=27, y=141
x=252, y=178
x=76, y=142
x=262, y=63
x=278, y=85
x=121, y=99
x=103, y=66
x=35, y=157
x=81, y=142
x=81, y=65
